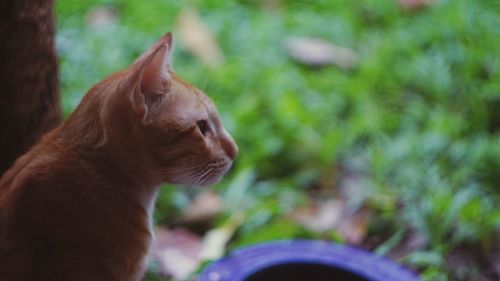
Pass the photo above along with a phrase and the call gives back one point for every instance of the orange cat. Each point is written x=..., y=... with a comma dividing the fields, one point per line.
x=78, y=205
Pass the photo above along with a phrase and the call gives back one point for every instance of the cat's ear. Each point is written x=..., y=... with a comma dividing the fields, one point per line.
x=157, y=71
x=149, y=75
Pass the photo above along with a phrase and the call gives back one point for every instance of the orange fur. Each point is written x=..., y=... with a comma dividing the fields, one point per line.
x=77, y=206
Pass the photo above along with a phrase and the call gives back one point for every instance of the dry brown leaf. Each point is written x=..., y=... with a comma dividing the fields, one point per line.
x=353, y=229
x=204, y=207
x=101, y=16
x=414, y=4
x=197, y=38
x=177, y=252
x=334, y=215
x=319, y=52
x=495, y=262
x=215, y=240
x=320, y=217
x=271, y=5
x=472, y=262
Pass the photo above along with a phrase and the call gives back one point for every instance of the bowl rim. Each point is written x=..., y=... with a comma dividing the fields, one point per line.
x=246, y=261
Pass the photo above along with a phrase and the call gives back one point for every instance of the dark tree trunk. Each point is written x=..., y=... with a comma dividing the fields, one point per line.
x=29, y=85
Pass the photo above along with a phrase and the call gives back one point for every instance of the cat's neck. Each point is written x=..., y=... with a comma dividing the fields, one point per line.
x=121, y=170
x=132, y=175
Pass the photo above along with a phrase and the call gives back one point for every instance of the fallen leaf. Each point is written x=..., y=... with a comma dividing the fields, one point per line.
x=197, y=38
x=215, y=240
x=353, y=229
x=204, y=207
x=319, y=52
x=470, y=263
x=495, y=261
x=271, y=5
x=101, y=16
x=334, y=215
x=414, y=4
x=178, y=252
x=320, y=217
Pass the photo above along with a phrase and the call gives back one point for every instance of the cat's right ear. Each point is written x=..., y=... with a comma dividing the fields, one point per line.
x=148, y=76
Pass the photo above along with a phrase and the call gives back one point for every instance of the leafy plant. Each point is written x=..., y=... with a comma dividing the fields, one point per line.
x=417, y=118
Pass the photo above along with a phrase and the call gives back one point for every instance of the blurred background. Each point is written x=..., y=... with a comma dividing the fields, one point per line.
x=374, y=123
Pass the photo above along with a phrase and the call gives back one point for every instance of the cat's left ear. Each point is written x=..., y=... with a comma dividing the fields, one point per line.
x=150, y=75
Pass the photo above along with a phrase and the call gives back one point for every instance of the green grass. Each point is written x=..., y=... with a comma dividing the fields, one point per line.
x=417, y=119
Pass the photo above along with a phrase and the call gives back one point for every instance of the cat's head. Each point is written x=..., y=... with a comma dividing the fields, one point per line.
x=169, y=123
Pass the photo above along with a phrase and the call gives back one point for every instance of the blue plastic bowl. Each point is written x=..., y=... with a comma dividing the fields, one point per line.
x=300, y=260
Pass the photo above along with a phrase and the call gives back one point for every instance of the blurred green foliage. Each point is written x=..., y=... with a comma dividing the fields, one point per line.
x=418, y=118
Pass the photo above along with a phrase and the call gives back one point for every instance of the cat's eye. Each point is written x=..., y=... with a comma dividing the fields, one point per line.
x=203, y=126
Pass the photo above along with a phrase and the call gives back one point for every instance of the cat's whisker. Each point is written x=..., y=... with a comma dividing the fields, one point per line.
x=182, y=169
x=196, y=178
x=187, y=177
x=202, y=176
x=191, y=189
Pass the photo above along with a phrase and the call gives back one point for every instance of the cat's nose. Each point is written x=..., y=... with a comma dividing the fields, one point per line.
x=229, y=146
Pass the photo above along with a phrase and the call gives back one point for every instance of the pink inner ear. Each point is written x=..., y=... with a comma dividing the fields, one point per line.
x=155, y=72
x=168, y=39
